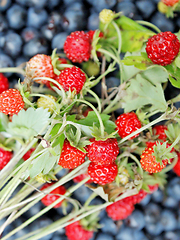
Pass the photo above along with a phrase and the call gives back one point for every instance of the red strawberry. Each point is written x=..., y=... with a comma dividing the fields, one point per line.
x=63, y=61
x=170, y=2
x=103, y=152
x=137, y=198
x=71, y=78
x=75, y=231
x=91, y=34
x=163, y=48
x=87, y=110
x=40, y=65
x=5, y=157
x=78, y=47
x=153, y=188
x=81, y=177
x=4, y=83
x=176, y=168
x=120, y=210
x=127, y=123
x=102, y=174
x=28, y=154
x=71, y=157
x=11, y=101
x=149, y=163
x=53, y=195
x=160, y=131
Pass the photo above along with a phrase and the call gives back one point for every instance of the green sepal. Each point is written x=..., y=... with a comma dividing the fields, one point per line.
x=160, y=152
x=55, y=61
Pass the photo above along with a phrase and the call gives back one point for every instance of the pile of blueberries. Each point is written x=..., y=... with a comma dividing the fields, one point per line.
x=28, y=27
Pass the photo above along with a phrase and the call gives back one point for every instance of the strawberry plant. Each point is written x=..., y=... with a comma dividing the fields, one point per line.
x=55, y=128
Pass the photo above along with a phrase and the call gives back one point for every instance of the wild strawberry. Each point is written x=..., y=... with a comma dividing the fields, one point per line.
x=4, y=83
x=87, y=110
x=28, y=154
x=163, y=48
x=106, y=16
x=120, y=210
x=47, y=101
x=53, y=195
x=102, y=174
x=160, y=131
x=77, y=47
x=103, y=152
x=5, y=157
x=63, y=61
x=40, y=65
x=71, y=157
x=137, y=198
x=75, y=231
x=127, y=123
x=153, y=188
x=91, y=34
x=11, y=101
x=81, y=177
x=176, y=168
x=149, y=163
x=170, y=2
x=71, y=78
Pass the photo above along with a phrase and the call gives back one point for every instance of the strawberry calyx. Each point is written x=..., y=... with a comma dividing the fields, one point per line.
x=90, y=223
x=161, y=152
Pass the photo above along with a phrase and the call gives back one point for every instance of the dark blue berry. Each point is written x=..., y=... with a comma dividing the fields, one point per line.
x=3, y=23
x=157, y=196
x=104, y=236
x=93, y=21
x=29, y=33
x=108, y=226
x=16, y=16
x=4, y=5
x=101, y=4
x=162, y=22
x=136, y=220
x=127, y=8
x=58, y=40
x=168, y=220
x=13, y=44
x=148, y=5
x=36, y=17
x=6, y=61
x=173, y=188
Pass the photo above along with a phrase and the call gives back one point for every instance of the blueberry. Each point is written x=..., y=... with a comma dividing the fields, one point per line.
x=157, y=196
x=65, y=209
x=104, y=236
x=93, y=21
x=58, y=40
x=13, y=44
x=21, y=232
x=68, y=2
x=175, y=235
x=108, y=226
x=29, y=33
x=101, y=4
x=82, y=193
x=36, y=17
x=163, y=23
x=4, y=5
x=3, y=23
x=129, y=234
x=35, y=46
x=173, y=188
x=73, y=21
x=154, y=229
x=127, y=8
x=16, y=16
x=145, y=200
x=42, y=222
x=76, y=6
x=136, y=220
x=148, y=5
x=6, y=61
x=57, y=237
x=168, y=220
x=51, y=4
x=170, y=202
x=36, y=3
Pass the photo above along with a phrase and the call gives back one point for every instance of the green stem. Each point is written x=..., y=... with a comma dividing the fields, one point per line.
x=171, y=146
x=148, y=24
x=13, y=70
x=109, y=54
x=97, y=113
x=92, y=196
x=170, y=166
x=96, y=97
x=119, y=36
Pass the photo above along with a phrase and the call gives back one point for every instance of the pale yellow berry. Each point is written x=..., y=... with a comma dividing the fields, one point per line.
x=106, y=16
x=40, y=178
x=163, y=8
x=124, y=177
x=48, y=101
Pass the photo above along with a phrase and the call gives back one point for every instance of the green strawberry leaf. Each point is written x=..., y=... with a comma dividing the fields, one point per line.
x=28, y=123
x=140, y=62
x=141, y=93
x=3, y=122
x=174, y=75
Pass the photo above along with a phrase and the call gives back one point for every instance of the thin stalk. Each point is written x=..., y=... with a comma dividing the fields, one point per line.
x=96, y=97
x=13, y=70
x=119, y=36
x=148, y=24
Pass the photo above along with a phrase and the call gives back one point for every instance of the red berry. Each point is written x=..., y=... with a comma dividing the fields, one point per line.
x=153, y=188
x=102, y=174
x=103, y=152
x=78, y=47
x=4, y=83
x=40, y=66
x=11, y=101
x=28, y=154
x=75, y=231
x=91, y=34
x=81, y=177
x=63, y=61
x=176, y=168
x=170, y=2
x=53, y=195
x=5, y=157
x=71, y=157
x=71, y=78
x=160, y=131
x=149, y=163
x=163, y=48
x=119, y=210
x=137, y=198
x=127, y=123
